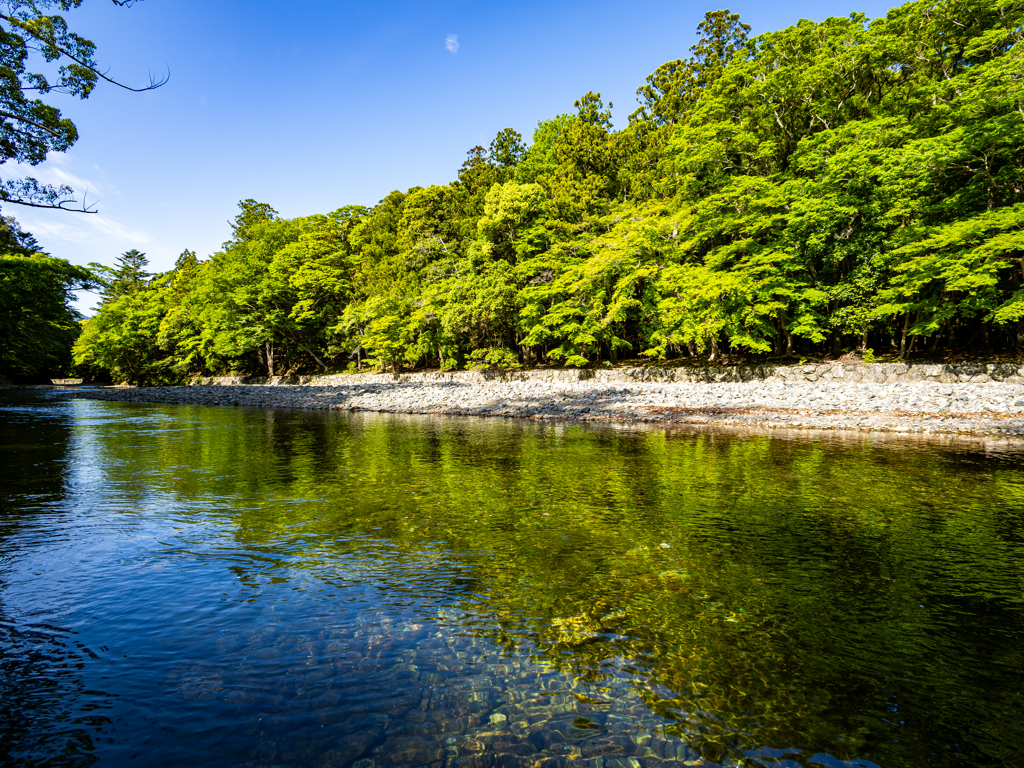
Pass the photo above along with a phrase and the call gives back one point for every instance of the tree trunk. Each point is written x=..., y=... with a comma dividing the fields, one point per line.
x=318, y=360
x=903, y=336
x=268, y=353
x=788, y=336
x=713, y=343
x=864, y=341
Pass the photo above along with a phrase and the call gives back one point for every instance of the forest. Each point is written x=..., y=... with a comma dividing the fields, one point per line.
x=852, y=186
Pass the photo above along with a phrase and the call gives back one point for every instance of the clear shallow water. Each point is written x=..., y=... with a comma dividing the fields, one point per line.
x=212, y=586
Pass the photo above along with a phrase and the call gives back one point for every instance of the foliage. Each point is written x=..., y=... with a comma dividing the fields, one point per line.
x=37, y=323
x=128, y=275
x=40, y=55
x=825, y=187
x=122, y=338
x=31, y=36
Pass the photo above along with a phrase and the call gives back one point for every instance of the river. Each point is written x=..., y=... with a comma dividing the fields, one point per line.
x=210, y=586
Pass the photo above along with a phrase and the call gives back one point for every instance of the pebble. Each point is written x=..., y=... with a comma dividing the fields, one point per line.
x=979, y=408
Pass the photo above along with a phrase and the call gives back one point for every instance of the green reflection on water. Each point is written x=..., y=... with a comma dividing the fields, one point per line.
x=854, y=597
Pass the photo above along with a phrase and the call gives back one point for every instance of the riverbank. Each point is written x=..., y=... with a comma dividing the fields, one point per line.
x=931, y=400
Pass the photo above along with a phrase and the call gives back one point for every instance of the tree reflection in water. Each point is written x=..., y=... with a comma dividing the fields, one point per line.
x=305, y=588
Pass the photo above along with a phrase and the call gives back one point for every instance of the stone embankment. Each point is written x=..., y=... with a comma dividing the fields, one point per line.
x=973, y=399
x=867, y=373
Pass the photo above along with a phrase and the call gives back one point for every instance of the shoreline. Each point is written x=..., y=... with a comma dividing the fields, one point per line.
x=859, y=372
x=930, y=407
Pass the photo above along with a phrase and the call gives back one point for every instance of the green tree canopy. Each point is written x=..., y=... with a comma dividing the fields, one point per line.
x=831, y=186
x=39, y=54
x=37, y=322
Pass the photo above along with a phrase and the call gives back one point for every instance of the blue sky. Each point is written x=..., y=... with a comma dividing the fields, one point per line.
x=312, y=106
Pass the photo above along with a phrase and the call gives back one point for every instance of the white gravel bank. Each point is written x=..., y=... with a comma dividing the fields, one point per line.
x=985, y=408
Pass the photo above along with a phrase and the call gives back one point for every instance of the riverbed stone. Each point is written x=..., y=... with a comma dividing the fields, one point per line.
x=962, y=398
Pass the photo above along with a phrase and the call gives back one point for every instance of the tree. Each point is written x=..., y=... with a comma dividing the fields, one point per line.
x=37, y=322
x=13, y=239
x=246, y=305
x=30, y=128
x=319, y=268
x=36, y=318
x=584, y=179
x=825, y=184
x=674, y=88
x=123, y=338
x=180, y=334
x=507, y=149
x=539, y=161
x=127, y=276
x=251, y=214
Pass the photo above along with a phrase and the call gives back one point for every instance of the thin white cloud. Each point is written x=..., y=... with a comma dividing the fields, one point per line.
x=118, y=232
x=60, y=176
x=451, y=43
x=80, y=229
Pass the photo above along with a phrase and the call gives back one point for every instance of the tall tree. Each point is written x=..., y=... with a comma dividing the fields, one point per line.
x=584, y=179
x=127, y=276
x=674, y=88
x=249, y=215
x=507, y=149
x=38, y=324
x=30, y=35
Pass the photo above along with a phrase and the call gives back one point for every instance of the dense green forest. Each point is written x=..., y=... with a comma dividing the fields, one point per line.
x=37, y=322
x=849, y=185
x=40, y=55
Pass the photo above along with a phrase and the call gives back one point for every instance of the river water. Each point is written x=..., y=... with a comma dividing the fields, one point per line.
x=203, y=586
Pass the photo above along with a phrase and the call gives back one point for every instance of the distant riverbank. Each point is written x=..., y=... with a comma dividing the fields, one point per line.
x=981, y=400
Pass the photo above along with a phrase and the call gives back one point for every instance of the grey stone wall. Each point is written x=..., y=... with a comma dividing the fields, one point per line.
x=875, y=373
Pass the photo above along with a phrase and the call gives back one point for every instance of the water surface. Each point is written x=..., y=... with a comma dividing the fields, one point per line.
x=186, y=585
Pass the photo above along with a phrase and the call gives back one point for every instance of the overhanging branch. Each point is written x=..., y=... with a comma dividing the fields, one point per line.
x=30, y=193
x=85, y=63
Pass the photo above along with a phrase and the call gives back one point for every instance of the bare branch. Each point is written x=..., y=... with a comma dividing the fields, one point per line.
x=153, y=83
x=30, y=193
x=61, y=206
